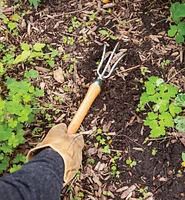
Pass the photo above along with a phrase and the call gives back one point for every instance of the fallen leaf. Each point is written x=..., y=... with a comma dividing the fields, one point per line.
x=128, y=191
x=179, y=135
x=122, y=189
x=92, y=151
x=1, y=6
x=42, y=85
x=96, y=179
x=154, y=38
x=58, y=75
x=42, y=69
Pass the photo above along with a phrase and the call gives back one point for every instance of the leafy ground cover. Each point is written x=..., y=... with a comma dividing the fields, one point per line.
x=56, y=48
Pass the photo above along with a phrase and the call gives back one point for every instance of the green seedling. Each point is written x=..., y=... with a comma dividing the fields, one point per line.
x=12, y=24
x=154, y=151
x=37, y=130
x=159, y=97
x=93, y=16
x=65, y=57
x=177, y=29
x=116, y=157
x=131, y=163
x=144, y=70
x=115, y=172
x=144, y=192
x=107, y=34
x=29, y=54
x=48, y=117
x=165, y=63
x=106, y=149
x=90, y=161
x=102, y=140
x=75, y=24
x=106, y=193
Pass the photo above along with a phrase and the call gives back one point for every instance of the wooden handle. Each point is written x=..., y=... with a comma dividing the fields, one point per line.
x=91, y=95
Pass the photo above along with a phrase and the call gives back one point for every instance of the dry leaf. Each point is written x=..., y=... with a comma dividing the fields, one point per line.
x=1, y=6
x=154, y=38
x=92, y=151
x=179, y=135
x=122, y=189
x=42, y=85
x=42, y=69
x=128, y=191
x=58, y=75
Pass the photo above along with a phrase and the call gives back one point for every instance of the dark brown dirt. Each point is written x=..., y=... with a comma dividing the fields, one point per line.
x=116, y=105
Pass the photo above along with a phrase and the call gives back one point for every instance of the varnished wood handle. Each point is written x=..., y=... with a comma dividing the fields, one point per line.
x=91, y=95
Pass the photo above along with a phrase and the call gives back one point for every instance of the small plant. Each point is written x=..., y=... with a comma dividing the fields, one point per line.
x=90, y=161
x=75, y=24
x=144, y=192
x=107, y=34
x=115, y=172
x=12, y=24
x=104, y=141
x=159, y=97
x=154, y=151
x=177, y=30
x=116, y=157
x=144, y=70
x=106, y=193
x=106, y=149
x=34, y=3
x=16, y=109
x=165, y=63
x=131, y=163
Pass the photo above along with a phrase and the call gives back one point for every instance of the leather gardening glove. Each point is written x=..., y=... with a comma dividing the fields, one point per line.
x=68, y=146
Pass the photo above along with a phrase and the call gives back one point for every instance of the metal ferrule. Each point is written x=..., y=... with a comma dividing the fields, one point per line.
x=98, y=82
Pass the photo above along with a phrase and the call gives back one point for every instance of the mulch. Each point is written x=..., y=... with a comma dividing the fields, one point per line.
x=141, y=28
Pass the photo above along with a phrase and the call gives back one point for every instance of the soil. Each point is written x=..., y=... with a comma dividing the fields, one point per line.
x=143, y=34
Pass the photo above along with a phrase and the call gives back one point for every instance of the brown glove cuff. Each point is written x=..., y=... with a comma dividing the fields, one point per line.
x=68, y=156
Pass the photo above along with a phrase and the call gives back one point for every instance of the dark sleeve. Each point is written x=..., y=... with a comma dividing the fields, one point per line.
x=39, y=179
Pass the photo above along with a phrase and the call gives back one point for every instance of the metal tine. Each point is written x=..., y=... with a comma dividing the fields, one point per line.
x=113, y=67
x=101, y=75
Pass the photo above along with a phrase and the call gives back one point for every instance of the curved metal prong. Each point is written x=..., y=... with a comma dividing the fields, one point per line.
x=102, y=75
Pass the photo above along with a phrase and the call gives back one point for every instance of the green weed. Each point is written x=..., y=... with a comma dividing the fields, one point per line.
x=177, y=28
x=144, y=192
x=107, y=34
x=106, y=193
x=159, y=97
x=131, y=163
x=115, y=172
x=103, y=141
x=33, y=3
x=165, y=63
x=16, y=109
x=154, y=151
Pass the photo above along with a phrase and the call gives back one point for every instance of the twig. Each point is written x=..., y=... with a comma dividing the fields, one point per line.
x=76, y=11
x=175, y=74
x=126, y=70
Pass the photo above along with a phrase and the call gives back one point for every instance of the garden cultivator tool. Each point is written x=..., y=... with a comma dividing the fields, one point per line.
x=93, y=90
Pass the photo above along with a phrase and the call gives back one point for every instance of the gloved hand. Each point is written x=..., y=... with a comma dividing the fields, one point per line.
x=68, y=146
